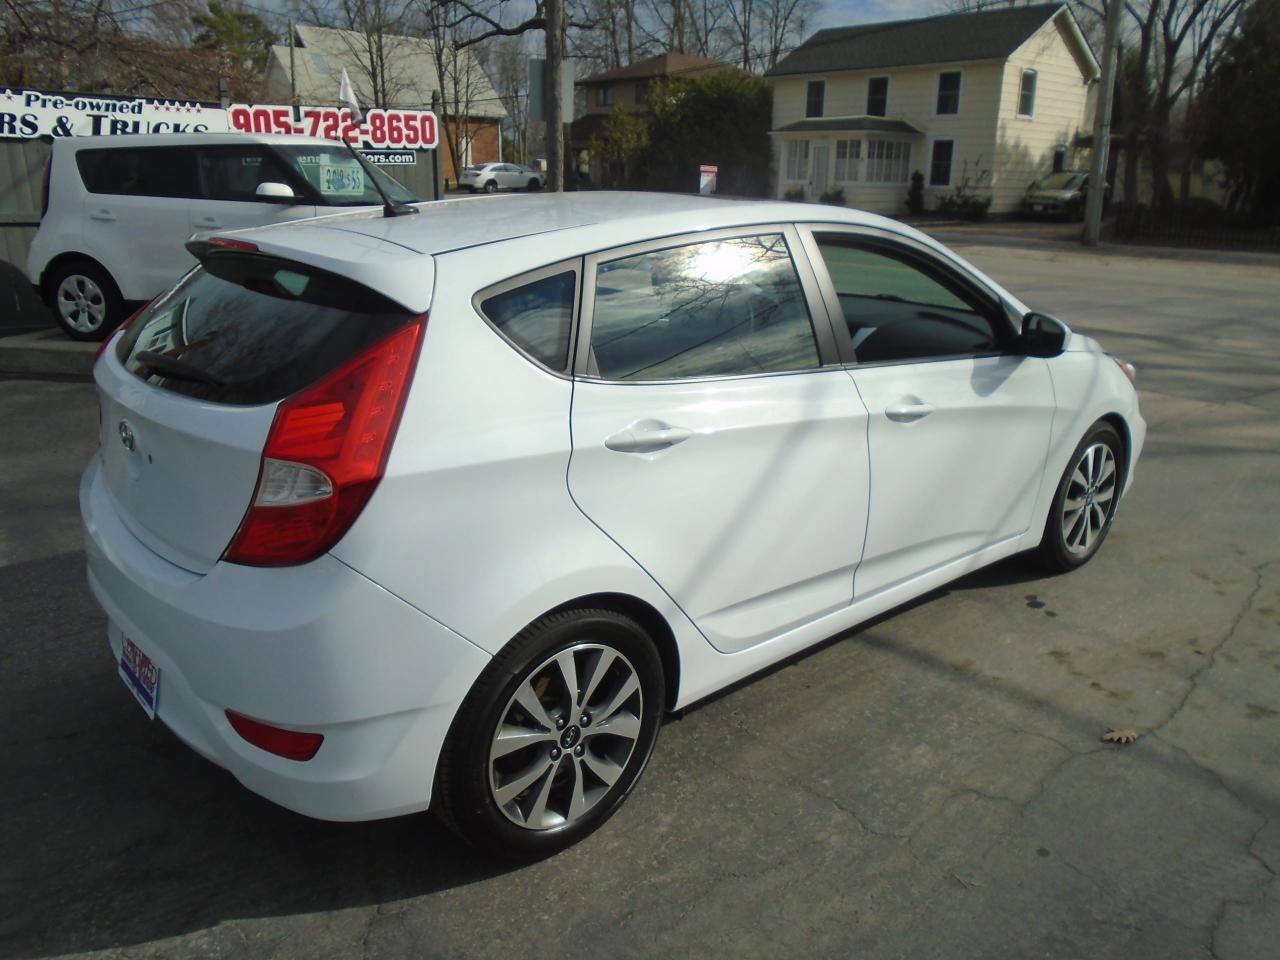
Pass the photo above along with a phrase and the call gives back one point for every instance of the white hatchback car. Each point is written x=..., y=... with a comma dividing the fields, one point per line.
x=118, y=209
x=453, y=507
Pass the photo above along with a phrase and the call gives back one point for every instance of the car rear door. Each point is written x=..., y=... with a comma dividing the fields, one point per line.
x=137, y=214
x=959, y=421
x=229, y=175
x=713, y=438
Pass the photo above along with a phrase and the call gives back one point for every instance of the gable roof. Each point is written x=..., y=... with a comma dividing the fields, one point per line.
x=950, y=38
x=321, y=53
x=670, y=64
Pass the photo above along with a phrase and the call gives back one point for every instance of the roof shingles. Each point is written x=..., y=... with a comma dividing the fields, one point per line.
x=951, y=38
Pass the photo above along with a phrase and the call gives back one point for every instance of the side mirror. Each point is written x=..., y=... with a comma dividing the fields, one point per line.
x=274, y=192
x=1042, y=335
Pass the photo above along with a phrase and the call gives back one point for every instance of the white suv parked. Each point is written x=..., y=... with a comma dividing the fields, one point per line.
x=453, y=508
x=118, y=210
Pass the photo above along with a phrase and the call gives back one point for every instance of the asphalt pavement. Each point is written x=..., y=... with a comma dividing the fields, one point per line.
x=932, y=785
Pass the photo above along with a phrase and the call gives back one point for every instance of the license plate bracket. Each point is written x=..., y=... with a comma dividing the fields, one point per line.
x=140, y=675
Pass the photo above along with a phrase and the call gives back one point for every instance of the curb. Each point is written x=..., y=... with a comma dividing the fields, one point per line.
x=47, y=352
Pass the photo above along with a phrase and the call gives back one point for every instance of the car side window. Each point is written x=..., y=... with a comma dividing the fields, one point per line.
x=895, y=310
x=139, y=172
x=537, y=317
x=716, y=308
x=234, y=172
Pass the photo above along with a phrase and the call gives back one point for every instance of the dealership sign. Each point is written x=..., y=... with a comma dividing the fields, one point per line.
x=27, y=114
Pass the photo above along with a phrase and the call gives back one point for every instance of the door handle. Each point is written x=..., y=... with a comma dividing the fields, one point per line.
x=104, y=215
x=908, y=412
x=647, y=436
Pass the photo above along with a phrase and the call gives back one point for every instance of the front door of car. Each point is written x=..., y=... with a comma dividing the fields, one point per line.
x=229, y=177
x=959, y=420
x=710, y=441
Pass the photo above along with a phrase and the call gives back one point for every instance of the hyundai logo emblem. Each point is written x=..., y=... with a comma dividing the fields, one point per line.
x=126, y=435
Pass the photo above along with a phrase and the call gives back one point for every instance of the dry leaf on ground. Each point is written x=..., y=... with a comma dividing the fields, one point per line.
x=1120, y=736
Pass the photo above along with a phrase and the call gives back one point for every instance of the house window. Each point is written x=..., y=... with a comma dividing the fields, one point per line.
x=1059, y=158
x=848, y=153
x=888, y=161
x=949, y=92
x=604, y=96
x=814, y=94
x=797, y=159
x=877, y=96
x=1027, y=94
x=940, y=163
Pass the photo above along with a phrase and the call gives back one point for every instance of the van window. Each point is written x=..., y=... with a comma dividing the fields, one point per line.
x=339, y=178
x=139, y=171
x=234, y=172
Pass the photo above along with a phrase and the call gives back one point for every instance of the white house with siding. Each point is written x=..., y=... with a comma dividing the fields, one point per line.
x=986, y=101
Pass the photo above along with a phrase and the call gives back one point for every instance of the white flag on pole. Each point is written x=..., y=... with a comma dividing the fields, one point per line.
x=347, y=97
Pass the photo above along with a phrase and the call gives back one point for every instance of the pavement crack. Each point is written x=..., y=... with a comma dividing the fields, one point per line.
x=1211, y=660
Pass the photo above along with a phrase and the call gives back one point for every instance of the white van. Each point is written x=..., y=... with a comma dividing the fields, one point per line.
x=117, y=210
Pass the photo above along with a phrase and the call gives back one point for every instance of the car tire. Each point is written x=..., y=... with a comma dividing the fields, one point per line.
x=534, y=184
x=85, y=301
x=1085, y=502
x=554, y=778
x=491, y=186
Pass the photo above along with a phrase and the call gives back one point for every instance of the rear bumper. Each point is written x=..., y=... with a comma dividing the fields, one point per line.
x=318, y=648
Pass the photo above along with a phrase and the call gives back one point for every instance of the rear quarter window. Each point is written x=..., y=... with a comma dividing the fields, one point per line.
x=140, y=171
x=537, y=316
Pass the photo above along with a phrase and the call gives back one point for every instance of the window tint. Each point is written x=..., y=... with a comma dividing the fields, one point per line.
x=895, y=311
x=949, y=92
x=537, y=317
x=718, y=308
x=248, y=329
x=233, y=173
x=142, y=172
x=877, y=96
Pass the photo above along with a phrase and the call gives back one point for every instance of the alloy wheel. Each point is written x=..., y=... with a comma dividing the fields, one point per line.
x=565, y=736
x=1087, y=505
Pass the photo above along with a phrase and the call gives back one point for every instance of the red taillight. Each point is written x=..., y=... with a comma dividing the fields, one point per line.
x=102, y=347
x=227, y=243
x=325, y=454
x=290, y=744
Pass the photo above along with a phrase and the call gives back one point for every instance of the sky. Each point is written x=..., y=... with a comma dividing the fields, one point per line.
x=839, y=13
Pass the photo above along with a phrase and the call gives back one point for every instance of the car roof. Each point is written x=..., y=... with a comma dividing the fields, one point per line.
x=395, y=255
x=125, y=140
x=463, y=222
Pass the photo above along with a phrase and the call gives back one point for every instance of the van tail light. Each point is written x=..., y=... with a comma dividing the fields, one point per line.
x=325, y=455
x=110, y=338
x=290, y=744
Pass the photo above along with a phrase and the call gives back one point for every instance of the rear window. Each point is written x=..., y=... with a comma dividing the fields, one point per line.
x=250, y=329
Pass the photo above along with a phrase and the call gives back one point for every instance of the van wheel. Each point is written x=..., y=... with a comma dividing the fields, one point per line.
x=554, y=734
x=86, y=302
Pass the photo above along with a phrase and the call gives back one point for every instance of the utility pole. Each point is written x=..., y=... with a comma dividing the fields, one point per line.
x=293, y=81
x=1102, y=128
x=554, y=109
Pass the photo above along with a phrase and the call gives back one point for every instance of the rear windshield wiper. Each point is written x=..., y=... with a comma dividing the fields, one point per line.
x=173, y=367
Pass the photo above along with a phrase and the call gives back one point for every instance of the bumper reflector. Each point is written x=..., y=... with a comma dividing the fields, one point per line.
x=290, y=744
